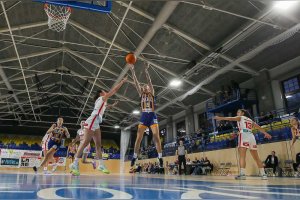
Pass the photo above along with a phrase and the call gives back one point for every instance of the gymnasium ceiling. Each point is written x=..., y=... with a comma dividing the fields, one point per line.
x=205, y=43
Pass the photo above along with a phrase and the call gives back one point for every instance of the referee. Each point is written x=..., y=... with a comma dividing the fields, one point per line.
x=181, y=152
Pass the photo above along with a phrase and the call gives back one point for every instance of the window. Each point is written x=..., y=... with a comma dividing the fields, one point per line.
x=291, y=85
x=292, y=92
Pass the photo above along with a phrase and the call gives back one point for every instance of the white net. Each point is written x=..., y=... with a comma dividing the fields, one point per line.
x=57, y=16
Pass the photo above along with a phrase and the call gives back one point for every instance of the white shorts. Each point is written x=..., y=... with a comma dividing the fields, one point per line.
x=93, y=122
x=247, y=140
x=45, y=142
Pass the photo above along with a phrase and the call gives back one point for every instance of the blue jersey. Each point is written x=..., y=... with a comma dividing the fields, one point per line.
x=147, y=102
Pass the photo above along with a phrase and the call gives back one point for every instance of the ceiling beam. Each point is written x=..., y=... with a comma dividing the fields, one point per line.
x=17, y=54
x=122, y=48
x=226, y=68
x=161, y=18
x=182, y=34
x=10, y=88
x=30, y=55
x=24, y=26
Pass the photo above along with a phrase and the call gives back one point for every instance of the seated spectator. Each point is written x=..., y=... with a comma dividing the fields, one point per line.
x=297, y=165
x=207, y=166
x=188, y=161
x=272, y=162
x=196, y=160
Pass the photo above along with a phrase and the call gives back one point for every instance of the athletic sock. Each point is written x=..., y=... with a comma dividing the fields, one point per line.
x=135, y=155
x=100, y=161
x=262, y=171
x=159, y=155
x=76, y=160
x=242, y=172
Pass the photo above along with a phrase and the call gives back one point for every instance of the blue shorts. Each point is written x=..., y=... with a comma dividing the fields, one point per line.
x=148, y=119
x=53, y=144
x=71, y=155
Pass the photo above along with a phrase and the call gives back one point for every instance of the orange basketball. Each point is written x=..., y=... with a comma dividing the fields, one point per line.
x=130, y=58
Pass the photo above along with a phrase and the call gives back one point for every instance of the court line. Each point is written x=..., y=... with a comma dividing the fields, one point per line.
x=255, y=192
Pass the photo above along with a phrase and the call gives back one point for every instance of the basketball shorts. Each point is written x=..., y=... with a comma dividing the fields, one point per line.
x=53, y=144
x=148, y=119
x=247, y=140
x=71, y=155
x=93, y=122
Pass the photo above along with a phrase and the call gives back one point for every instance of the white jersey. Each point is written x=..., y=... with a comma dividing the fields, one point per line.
x=245, y=125
x=92, y=123
x=246, y=137
x=99, y=108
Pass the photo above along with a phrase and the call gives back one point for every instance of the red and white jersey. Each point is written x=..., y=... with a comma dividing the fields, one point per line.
x=245, y=125
x=99, y=108
x=80, y=133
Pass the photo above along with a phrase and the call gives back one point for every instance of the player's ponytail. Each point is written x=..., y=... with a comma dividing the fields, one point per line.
x=246, y=113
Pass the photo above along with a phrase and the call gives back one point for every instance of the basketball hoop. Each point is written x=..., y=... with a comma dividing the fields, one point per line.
x=57, y=16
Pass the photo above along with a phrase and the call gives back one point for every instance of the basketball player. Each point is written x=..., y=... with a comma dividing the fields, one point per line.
x=295, y=129
x=148, y=118
x=57, y=132
x=92, y=129
x=247, y=140
x=72, y=148
x=80, y=137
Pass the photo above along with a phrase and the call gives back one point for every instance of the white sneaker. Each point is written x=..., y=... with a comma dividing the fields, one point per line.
x=73, y=166
x=103, y=169
x=264, y=177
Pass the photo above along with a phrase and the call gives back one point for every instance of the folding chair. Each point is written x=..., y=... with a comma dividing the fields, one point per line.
x=288, y=170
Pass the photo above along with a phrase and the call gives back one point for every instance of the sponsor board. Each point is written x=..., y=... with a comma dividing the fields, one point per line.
x=30, y=161
x=9, y=162
x=15, y=153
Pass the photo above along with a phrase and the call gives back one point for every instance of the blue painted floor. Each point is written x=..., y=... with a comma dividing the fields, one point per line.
x=61, y=186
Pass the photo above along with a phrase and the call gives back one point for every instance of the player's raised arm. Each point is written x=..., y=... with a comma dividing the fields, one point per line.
x=227, y=118
x=149, y=79
x=136, y=82
x=267, y=135
x=115, y=89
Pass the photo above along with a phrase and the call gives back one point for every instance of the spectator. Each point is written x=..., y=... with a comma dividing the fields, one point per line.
x=208, y=167
x=272, y=162
x=181, y=152
x=297, y=164
x=188, y=161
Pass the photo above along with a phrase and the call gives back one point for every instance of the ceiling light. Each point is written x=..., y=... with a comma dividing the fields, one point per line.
x=136, y=112
x=284, y=5
x=175, y=83
x=117, y=126
x=288, y=96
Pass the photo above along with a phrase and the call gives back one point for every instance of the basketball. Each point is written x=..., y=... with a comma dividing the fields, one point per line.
x=130, y=58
